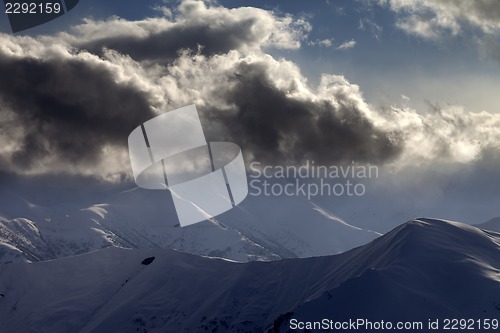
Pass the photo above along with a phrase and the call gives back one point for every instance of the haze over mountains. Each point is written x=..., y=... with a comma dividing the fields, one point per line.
x=262, y=228
x=51, y=223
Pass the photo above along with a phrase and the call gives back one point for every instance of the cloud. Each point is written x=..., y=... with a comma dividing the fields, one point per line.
x=434, y=19
x=72, y=99
x=212, y=30
x=445, y=135
x=60, y=108
x=347, y=45
x=327, y=42
x=276, y=125
x=267, y=107
x=369, y=24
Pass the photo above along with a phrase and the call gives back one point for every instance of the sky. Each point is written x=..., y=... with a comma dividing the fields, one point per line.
x=387, y=59
x=402, y=84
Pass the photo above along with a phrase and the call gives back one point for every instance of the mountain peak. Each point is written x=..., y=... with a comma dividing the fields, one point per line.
x=493, y=224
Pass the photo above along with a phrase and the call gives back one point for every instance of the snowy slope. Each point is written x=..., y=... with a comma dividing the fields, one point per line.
x=424, y=267
x=442, y=270
x=261, y=228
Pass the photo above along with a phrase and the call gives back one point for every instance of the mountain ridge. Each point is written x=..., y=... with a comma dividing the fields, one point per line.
x=182, y=292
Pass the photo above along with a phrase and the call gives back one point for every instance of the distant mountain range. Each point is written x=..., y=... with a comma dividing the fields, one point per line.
x=424, y=269
x=261, y=228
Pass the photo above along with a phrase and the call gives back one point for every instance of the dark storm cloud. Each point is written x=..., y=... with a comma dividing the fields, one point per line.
x=165, y=45
x=274, y=128
x=194, y=26
x=66, y=109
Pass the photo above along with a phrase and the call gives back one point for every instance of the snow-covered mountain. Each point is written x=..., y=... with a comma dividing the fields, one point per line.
x=261, y=228
x=493, y=224
x=421, y=270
